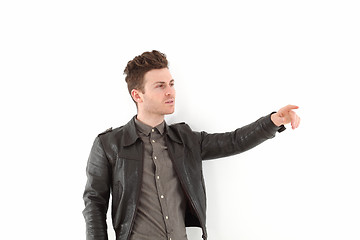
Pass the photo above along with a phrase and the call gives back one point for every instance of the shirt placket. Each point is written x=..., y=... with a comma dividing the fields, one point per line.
x=157, y=156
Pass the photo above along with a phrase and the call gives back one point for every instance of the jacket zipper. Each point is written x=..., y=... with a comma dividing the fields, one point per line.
x=185, y=191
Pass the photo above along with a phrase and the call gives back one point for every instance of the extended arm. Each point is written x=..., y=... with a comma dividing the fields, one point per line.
x=218, y=145
x=242, y=139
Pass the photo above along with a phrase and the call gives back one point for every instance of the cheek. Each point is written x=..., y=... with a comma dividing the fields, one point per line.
x=155, y=97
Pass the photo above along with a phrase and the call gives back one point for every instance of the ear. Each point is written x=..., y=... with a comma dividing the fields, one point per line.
x=136, y=95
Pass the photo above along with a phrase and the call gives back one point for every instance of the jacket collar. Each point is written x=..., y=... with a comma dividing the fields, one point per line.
x=130, y=135
x=173, y=135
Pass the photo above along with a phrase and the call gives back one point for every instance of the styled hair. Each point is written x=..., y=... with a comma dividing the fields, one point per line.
x=136, y=68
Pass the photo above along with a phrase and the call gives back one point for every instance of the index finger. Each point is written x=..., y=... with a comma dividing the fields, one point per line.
x=290, y=107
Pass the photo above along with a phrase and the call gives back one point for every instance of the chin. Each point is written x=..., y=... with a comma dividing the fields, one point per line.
x=170, y=112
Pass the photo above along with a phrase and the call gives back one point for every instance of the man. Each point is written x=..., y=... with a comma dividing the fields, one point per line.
x=154, y=170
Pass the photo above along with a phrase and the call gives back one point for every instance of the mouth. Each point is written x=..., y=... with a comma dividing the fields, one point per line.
x=170, y=101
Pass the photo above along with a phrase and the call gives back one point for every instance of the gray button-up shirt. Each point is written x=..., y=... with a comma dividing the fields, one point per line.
x=162, y=204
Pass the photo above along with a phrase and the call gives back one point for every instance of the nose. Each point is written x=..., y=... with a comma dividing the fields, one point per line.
x=170, y=91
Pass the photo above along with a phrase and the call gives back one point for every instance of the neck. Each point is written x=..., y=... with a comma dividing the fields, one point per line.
x=151, y=120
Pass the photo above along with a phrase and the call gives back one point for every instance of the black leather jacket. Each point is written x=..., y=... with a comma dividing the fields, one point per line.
x=115, y=166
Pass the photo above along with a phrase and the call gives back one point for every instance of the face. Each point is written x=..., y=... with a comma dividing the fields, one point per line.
x=158, y=98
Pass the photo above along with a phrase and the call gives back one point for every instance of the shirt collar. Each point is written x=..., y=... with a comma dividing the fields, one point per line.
x=146, y=129
x=130, y=135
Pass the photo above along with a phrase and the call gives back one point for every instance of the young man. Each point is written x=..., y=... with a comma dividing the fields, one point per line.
x=154, y=170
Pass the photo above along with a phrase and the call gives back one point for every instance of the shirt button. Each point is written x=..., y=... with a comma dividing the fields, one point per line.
x=166, y=217
x=152, y=130
x=153, y=141
x=157, y=177
x=162, y=196
x=155, y=157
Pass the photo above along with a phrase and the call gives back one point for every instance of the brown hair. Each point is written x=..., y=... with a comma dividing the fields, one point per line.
x=136, y=68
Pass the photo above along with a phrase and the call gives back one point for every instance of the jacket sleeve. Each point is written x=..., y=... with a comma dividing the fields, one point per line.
x=97, y=192
x=242, y=139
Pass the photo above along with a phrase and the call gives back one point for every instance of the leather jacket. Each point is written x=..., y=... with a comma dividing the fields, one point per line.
x=115, y=166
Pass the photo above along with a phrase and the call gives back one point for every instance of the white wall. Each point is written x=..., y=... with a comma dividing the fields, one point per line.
x=233, y=61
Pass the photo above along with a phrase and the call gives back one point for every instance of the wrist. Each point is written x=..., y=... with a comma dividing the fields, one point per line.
x=276, y=119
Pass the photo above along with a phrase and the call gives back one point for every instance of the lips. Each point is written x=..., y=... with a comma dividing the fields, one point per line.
x=170, y=101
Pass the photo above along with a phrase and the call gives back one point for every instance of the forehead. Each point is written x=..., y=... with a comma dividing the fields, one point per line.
x=157, y=75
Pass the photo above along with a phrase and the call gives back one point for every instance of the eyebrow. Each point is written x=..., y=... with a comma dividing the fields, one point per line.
x=162, y=82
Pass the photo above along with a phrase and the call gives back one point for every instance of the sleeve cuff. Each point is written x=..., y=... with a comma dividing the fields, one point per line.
x=281, y=128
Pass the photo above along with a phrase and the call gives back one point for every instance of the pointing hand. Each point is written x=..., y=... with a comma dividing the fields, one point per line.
x=286, y=115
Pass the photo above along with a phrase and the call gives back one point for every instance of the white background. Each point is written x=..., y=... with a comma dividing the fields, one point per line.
x=61, y=65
